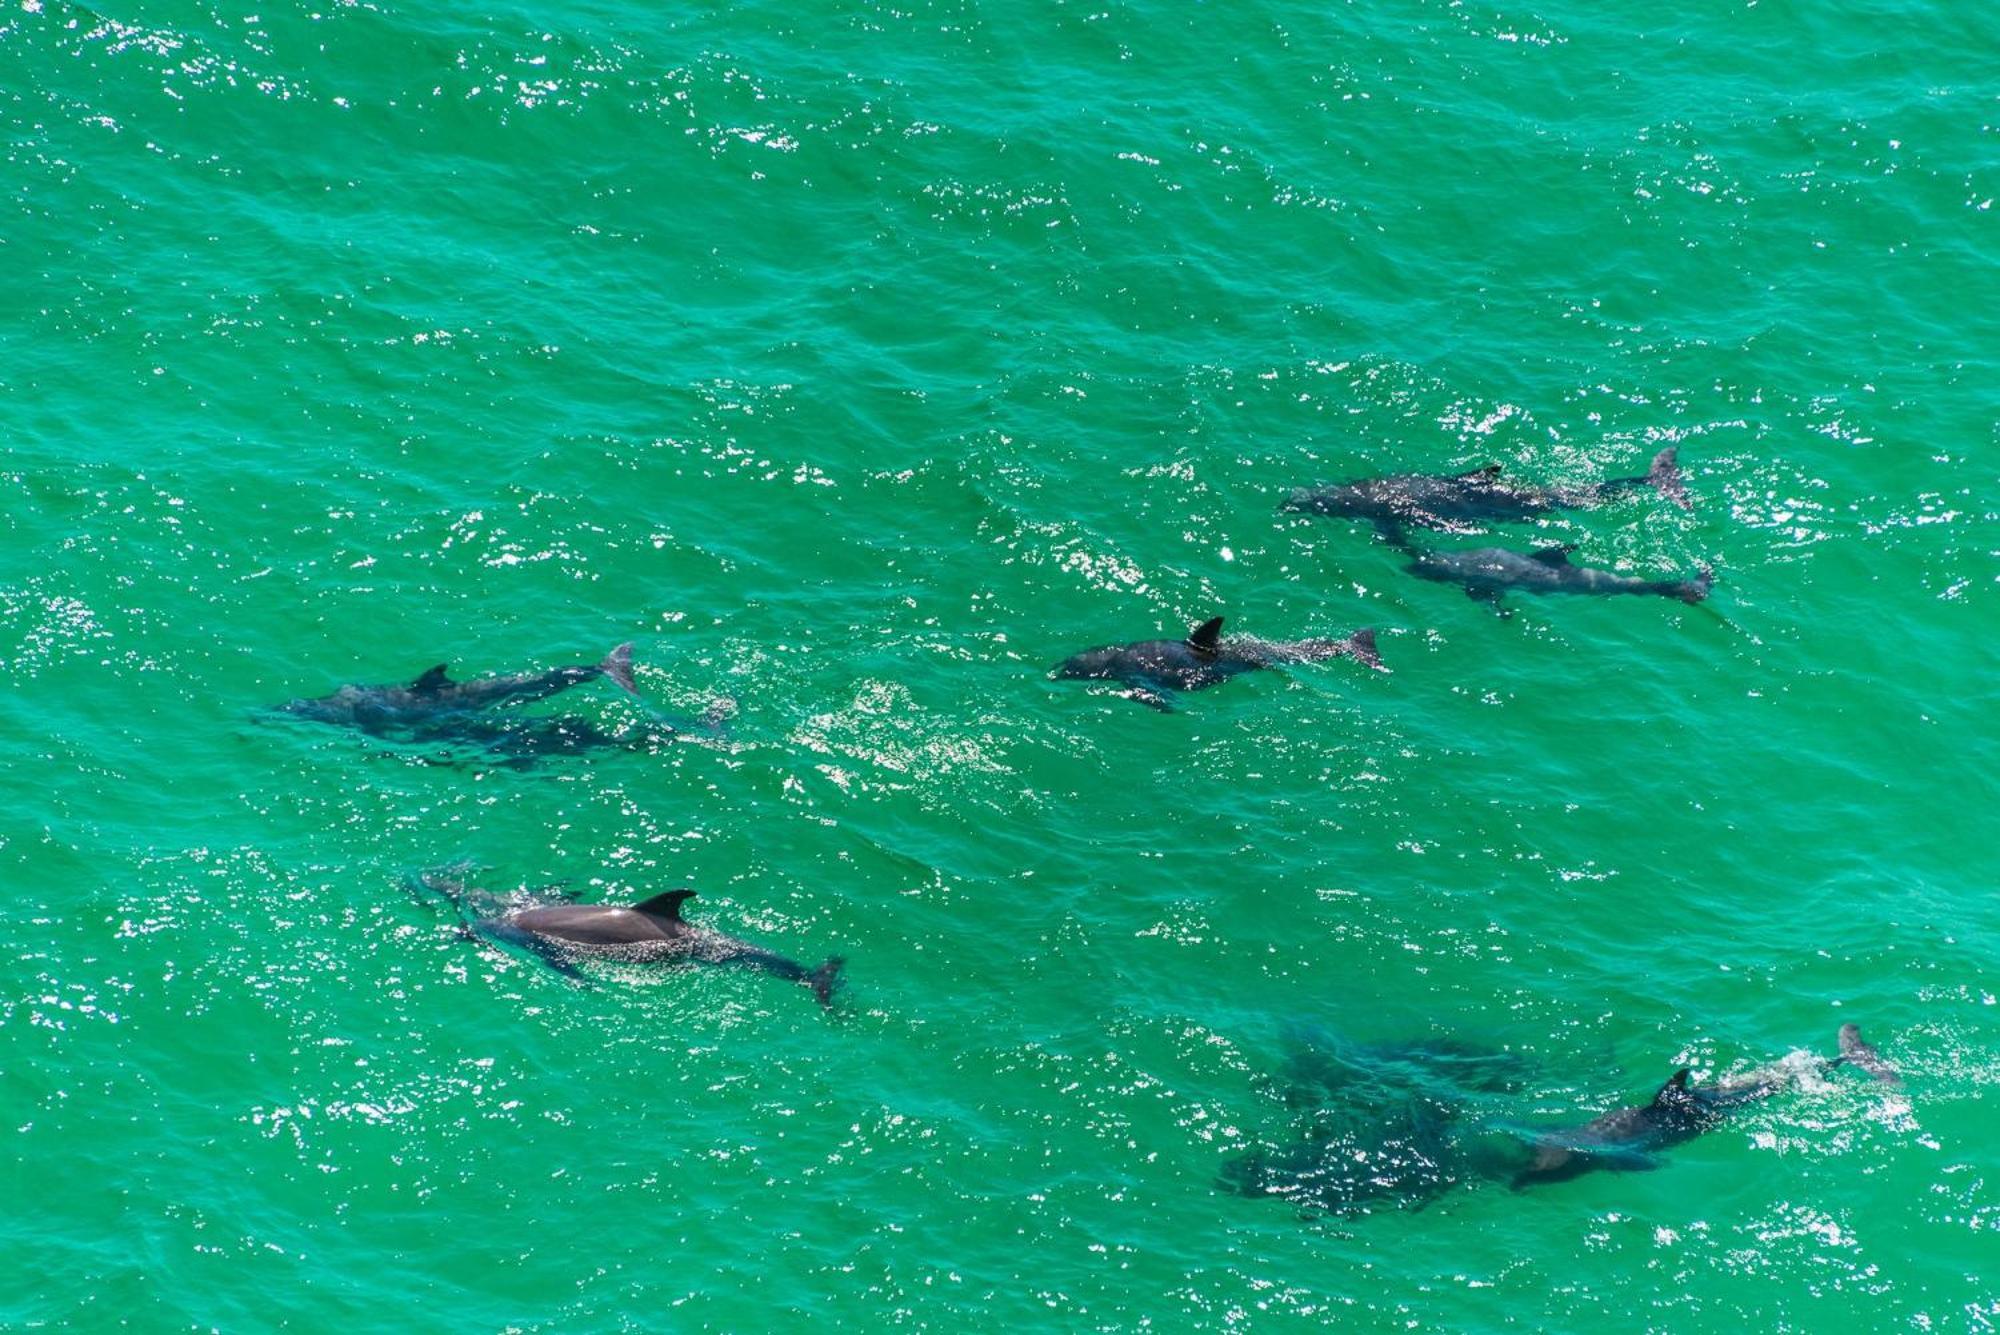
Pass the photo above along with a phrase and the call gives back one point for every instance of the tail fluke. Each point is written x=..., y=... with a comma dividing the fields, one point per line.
x=1696, y=589
x=1361, y=645
x=617, y=665
x=1858, y=1052
x=824, y=980
x=1665, y=477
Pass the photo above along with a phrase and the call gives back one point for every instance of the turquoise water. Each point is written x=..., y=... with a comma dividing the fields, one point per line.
x=859, y=362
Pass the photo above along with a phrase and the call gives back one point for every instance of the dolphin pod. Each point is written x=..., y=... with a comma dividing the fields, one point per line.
x=1154, y=670
x=563, y=934
x=1379, y=1124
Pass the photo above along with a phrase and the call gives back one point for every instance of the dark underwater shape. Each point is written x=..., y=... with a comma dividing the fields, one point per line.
x=1154, y=670
x=1459, y=503
x=652, y=931
x=1402, y=1157
x=397, y=711
x=1488, y=574
x=1379, y=1125
x=1321, y=1066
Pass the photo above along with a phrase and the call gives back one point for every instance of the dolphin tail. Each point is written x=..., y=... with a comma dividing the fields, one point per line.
x=1662, y=475
x=1694, y=590
x=1859, y=1052
x=1361, y=645
x=824, y=980
x=1665, y=477
x=617, y=665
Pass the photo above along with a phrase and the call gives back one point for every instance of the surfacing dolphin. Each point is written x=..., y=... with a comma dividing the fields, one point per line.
x=1488, y=574
x=1462, y=502
x=400, y=711
x=1626, y=1139
x=652, y=931
x=1154, y=670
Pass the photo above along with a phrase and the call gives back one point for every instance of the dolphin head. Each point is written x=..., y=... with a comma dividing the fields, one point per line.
x=1342, y=499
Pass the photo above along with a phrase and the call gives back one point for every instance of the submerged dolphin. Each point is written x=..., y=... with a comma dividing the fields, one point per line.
x=400, y=711
x=1626, y=1138
x=1488, y=573
x=1459, y=503
x=1154, y=669
x=649, y=932
x=520, y=743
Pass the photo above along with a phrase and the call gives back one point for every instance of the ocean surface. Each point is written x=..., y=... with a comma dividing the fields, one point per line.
x=859, y=361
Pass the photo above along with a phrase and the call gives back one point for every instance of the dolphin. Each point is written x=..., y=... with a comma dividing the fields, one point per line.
x=1153, y=670
x=521, y=742
x=1461, y=502
x=650, y=932
x=1626, y=1138
x=398, y=711
x=1488, y=573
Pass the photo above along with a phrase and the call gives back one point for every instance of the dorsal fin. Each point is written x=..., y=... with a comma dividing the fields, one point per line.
x=1204, y=636
x=666, y=906
x=1676, y=1085
x=432, y=681
x=1554, y=556
x=1485, y=474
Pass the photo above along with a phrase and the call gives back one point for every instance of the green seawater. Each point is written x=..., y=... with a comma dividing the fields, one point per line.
x=859, y=361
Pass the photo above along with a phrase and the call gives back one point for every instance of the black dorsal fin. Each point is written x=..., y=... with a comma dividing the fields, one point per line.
x=1485, y=474
x=432, y=681
x=1676, y=1085
x=1554, y=556
x=666, y=906
x=1204, y=636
